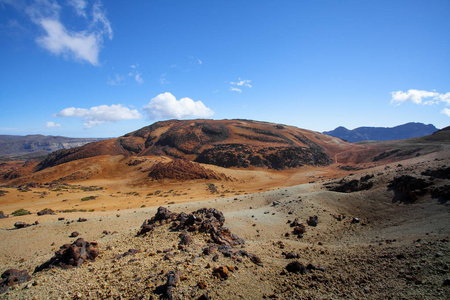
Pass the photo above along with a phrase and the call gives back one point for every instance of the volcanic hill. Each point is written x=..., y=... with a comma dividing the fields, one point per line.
x=226, y=143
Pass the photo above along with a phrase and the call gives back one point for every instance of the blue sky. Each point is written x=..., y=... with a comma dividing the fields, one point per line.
x=85, y=68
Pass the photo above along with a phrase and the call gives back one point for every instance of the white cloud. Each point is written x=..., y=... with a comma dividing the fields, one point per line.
x=241, y=83
x=58, y=37
x=446, y=111
x=52, y=125
x=419, y=97
x=116, y=80
x=166, y=106
x=199, y=61
x=81, y=45
x=138, y=78
x=100, y=114
x=163, y=80
x=79, y=6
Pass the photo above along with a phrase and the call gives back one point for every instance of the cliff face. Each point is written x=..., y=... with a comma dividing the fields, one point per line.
x=225, y=143
x=14, y=146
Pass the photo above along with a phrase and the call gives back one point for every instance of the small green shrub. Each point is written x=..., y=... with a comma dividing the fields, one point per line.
x=20, y=212
x=88, y=198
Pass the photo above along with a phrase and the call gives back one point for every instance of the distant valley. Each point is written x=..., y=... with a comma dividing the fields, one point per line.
x=30, y=146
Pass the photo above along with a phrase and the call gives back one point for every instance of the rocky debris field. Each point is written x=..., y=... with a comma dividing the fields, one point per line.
x=302, y=242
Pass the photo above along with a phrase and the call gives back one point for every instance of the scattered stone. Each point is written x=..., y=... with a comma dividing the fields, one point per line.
x=221, y=272
x=204, y=297
x=291, y=255
x=313, y=221
x=12, y=277
x=71, y=255
x=201, y=285
x=74, y=234
x=129, y=252
x=300, y=229
x=82, y=220
x=169, y=256
x=20, y=225
x=355, y=220
x=3, y=216
x=61, y=219
x=296, y=267
x=46, y=211
x=173, y=278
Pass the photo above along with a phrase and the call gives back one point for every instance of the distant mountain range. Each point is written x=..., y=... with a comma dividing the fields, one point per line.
x=405, y=131
x=15, y=146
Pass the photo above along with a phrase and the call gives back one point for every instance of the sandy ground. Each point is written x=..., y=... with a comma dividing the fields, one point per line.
x=398, y=250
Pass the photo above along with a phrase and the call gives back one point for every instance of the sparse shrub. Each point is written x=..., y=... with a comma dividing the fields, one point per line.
x=91, y=210
x=143, y=205
x=171, y=202
x=20, y=212
x=88, y=198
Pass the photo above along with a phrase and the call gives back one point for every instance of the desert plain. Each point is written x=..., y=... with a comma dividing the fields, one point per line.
x=345, y=229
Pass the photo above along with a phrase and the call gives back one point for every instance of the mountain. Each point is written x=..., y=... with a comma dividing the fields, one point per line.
x=405, y=131
x=14, y=146
x=224, y=143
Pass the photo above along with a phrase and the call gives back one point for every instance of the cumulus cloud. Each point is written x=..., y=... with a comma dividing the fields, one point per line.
x=166, y=106
x=58, y=38
x=52, y=125
x=100, y=114
x=419, y=97
x=138, y=78
x=241, y=83
x=423, y=98
x=446, y=112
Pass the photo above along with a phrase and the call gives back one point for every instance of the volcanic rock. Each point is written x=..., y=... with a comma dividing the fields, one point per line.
x=296, y=267
x=71, y=255
x=221, y=272
x=12, y=277
x=313, y=221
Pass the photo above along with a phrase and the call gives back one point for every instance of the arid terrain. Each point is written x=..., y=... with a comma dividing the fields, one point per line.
x=290, y=214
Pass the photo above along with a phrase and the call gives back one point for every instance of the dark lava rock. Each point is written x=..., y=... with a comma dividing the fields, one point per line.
x=296, y=267
x=169, y=256
x=255, y=259
x=19, y=225
x=210, y=249
x=185, y=239
x=71, y=255
x=291, y=255
x=443, y=173
x=355, y=221
x=295, y=223
x=409, y=187
x=46, y=211
x=204, y=297
x=129, y=252
x=82, y=219
x=74, y=234
x=173, y=278
x=443, y=193
x=313, y=221
x=145, y=229
x=3, y=216
x=301, y=229
x=12, y=277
